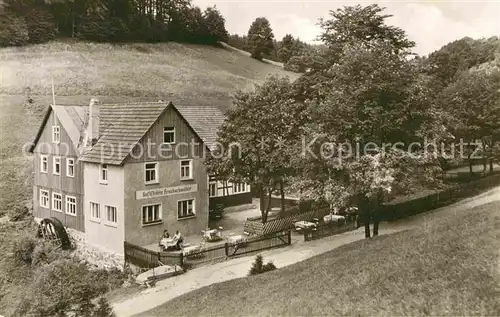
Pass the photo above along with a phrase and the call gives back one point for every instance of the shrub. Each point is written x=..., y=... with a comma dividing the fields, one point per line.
x=46, y=252
x=23, y=248
x=61, y=287
x=269, y=266
x=216, y=211
x=296, y=64
x=13, y=30
x=103, y=30
x=108, y=279
x=103, y=309
x=258, y=266
x=40, y=25
x=18, y=213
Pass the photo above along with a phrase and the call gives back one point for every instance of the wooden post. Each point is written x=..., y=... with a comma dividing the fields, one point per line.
x=226, y=249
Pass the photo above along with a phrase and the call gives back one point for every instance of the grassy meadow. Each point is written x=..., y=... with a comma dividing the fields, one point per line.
x=112, y=73
x=450, y=267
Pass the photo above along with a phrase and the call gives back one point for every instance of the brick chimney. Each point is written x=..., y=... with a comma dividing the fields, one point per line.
x=93, y=127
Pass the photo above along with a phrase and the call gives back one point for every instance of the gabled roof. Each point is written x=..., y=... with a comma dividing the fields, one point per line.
x=72, y=119
x=123, y=125
x=205, y=121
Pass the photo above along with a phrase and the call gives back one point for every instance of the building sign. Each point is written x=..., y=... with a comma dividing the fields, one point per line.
x=167, y=191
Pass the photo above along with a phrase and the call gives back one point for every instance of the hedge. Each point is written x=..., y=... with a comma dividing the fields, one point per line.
x=390, y=212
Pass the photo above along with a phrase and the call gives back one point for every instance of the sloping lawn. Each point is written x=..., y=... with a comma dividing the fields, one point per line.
x=167, y=70
x=451, y=267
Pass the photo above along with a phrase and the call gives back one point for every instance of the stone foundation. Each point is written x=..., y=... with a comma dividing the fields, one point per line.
x=96, y=258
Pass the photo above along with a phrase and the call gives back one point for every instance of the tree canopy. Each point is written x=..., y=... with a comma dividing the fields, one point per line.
x=260, y=38
x=111, y=21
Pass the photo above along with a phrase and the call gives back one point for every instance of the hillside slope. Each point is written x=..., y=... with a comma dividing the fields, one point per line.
x=132, y=70
x=112, y=73
x=450, y=267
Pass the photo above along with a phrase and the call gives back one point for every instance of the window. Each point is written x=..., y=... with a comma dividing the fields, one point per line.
x=44, y=164
x=239, y=188
x=168, y=135
x=185, y=209
x=56, y=134
x=56, y=202
x=151, y=171
x=95, y=213
x=44, y=198
x=111, y=216
x=212, y=189
x=151, y=214
x=70, y=167
x=236, y=188
x=71, y=205
x=186, y=169
x=57, y=165
x=103, y=173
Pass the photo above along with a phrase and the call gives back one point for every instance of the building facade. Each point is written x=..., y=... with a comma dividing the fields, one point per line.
x=58, y=175
x=140, y=172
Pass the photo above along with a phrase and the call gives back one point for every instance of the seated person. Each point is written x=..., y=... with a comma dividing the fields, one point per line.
x=165, y=234
x=179, y=239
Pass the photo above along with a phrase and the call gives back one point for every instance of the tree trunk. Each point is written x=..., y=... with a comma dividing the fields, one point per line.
x=261, y=198
x=268, y=208
x=366, y=222
x=282, y=191
x=376, y=222
x=470, y=163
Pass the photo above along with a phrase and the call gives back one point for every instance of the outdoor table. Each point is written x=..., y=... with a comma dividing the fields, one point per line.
x=235, y=239
x=329, y=218
x=211, y=235
x=304, y=224
x=168, y=243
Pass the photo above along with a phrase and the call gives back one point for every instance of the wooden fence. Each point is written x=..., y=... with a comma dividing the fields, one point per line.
x=326, y=230
x=282, y=224
x=146, y=258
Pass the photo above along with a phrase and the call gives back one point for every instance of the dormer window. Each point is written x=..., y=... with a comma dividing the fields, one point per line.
x=56, y=134
x=168, y=135
x=103, y=173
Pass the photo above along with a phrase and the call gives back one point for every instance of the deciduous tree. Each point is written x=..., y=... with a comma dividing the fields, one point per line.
x=257, y=136
x=286, y=48
x=215, y=24
x=473, y=101
x=260, y=38
x=369, y=97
